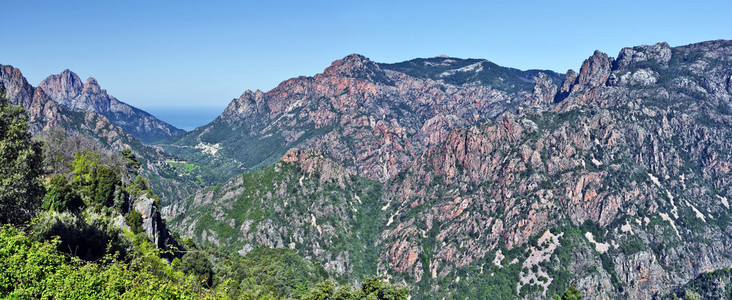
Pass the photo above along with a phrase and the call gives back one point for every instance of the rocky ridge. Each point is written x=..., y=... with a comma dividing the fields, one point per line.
x=616, y=180
x=372, y=119
x=68, y=90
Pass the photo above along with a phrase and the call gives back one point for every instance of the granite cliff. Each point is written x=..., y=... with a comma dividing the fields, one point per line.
x=68, y=90
x=614, y=178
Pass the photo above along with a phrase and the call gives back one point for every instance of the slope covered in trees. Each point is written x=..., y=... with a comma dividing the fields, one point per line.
x=86, y=228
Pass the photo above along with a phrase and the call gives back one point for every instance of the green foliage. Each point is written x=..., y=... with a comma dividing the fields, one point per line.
x=134, y=220
x=34, y=269
x=95, y=181
x=89, y=237
x=371, y=288
x=198, y=263
x=633, y=246
x=265, y=271
x=572, y=293
x=21, y=165
x=60, y=196
x=712, y=285
x=131, y=162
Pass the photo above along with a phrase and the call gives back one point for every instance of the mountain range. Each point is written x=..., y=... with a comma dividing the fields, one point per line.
x=457, y=177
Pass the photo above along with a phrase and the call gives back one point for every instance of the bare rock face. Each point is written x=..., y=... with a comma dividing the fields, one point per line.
x=151, y=222
x=42, y=111
x=313, y=162
x=359, y=67
x=595, y=70
x=633, y=57
x=63, y=87
x=570, y=79
x=67, y=90
x=248, y=106
x=545, y=91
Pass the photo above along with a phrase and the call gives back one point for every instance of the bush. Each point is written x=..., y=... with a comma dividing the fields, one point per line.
x=134, y=220
x=89, y=237
x=60, y=196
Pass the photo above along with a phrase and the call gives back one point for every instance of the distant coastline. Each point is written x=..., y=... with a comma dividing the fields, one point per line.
x=185, y=117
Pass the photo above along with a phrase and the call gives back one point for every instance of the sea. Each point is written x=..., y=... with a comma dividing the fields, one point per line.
x=185, y=117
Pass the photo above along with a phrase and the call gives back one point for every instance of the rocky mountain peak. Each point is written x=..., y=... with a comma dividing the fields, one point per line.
x=92, y=84
x=570, y=78
x=63, y=87
x=67, y=89
x=359, y=67
x=248, y=104
x=659, y=53
x=595, y=70
x=16, y=87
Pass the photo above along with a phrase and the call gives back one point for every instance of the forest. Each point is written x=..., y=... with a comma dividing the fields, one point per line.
x=71, y=229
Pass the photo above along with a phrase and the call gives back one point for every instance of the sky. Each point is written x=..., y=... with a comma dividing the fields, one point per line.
x=163, y=54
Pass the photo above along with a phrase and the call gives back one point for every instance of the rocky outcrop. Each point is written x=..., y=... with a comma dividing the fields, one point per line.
x=358, y=67
x=67, y=90
x=595, y=70
x=569, y=80
x=313, y=163
x=545, y=91
x=152, y=223
x=639, y=56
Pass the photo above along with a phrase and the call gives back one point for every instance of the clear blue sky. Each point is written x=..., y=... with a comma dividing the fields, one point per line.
x=178, y=53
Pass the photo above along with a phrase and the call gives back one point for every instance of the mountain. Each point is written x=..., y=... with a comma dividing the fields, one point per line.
x=68, y=90
x=615, y=178
x=306, y=202
x=372, y=119
x=171, y=178
x=457, y=71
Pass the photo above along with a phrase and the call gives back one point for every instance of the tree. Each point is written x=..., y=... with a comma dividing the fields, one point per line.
x=21, y=165
x=132, y=165
x=371, y=288
x=197, y=263
x=572, y=293
x=95, y=181
x=61, y=196
x=55, y=156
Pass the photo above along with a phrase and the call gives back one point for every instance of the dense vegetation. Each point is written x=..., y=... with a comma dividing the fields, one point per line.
x=20, y=165
x=70, y=229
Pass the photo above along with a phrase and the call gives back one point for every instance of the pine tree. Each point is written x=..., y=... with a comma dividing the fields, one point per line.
x=21, y=165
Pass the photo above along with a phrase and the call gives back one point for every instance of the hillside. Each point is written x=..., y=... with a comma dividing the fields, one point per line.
x=616, y=180
x=47, y=116
x=370, y=117
x=68, y=91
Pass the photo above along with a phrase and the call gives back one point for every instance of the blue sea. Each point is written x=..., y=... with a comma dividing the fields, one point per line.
x=185, y=117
